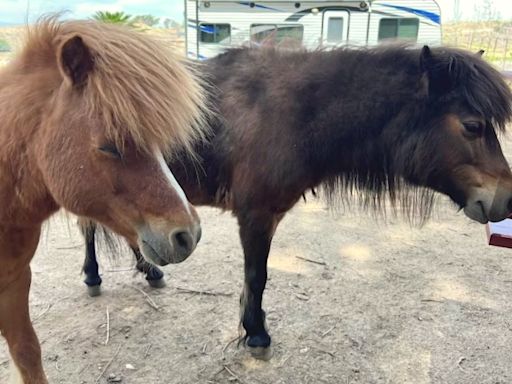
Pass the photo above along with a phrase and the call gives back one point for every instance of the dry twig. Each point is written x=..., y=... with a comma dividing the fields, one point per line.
x=229, y=343
x=42, y=313
x=108, y=327
x=206, y=293
x=108, y=365
x=324, y=351
x=233, y=375
x=146, y=353
x=71, y=246
x=328, y=331
x=311, y=260
x=148, y=299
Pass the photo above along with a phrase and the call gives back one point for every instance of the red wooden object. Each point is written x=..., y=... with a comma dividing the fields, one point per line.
x=499, y=234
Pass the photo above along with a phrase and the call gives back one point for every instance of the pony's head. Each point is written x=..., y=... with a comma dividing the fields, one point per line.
x=454, y=143
x=119, y=102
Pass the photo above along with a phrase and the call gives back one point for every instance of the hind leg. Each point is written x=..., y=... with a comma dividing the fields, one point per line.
x=154, y=276
x=256, y=232
x=91, y=267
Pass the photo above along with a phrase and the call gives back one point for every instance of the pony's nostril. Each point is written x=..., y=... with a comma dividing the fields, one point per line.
x=183, y=241
x=199, y=234
x=509, y=206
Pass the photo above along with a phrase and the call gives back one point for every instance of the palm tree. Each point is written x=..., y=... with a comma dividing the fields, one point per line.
x=112, y=17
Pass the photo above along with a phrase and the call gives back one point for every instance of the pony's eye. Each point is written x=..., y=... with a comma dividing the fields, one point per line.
x=111, y=150
x=474, y=128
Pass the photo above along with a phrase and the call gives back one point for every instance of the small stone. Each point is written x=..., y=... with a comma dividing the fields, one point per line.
x=302, y=296
x=130, y=367
x=113, y=378
x=327, y=275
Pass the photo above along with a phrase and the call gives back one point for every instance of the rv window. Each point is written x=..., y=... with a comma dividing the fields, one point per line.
x=276, y=33
x=293, y=32
x=262, y=32
x=215, y=33
x=398, y=28
x=335, y=29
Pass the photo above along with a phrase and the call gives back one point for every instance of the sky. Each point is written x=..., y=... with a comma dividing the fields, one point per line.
x=14, y=11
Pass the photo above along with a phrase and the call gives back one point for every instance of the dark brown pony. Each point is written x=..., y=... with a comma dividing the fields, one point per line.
x=86, y=112
x=390, y=122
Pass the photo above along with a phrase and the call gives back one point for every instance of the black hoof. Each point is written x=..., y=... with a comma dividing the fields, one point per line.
x=94, y=290
x=259, y=346
x=154, y=274
x=260, y=353
x=160, y=283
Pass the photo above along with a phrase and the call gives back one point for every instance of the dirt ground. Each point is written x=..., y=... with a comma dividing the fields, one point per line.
x=385, y=303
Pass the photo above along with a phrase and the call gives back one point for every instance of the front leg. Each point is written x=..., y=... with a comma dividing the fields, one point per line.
x=154, y=276
x=17, y=246
x=16, y=327
x=91, y=267
x=256, y=232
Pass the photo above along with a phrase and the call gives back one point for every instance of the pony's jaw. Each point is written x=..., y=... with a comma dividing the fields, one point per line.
x=172, y=248
x=489, y=203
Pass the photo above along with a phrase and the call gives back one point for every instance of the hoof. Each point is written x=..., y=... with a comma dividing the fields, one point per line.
x=160, y=283
x=94, y=290
x=260, y=353
x=259, y=346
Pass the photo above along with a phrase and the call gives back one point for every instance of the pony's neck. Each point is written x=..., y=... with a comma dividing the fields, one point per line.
x=23, y=187
x=363, y=103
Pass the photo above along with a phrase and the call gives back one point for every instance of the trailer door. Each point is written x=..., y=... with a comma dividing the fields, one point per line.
x=334, y=28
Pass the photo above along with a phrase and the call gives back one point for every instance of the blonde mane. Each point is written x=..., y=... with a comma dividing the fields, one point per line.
x=139, y=87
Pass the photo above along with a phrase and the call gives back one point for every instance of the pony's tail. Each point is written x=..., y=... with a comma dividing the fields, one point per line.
x=104, y=239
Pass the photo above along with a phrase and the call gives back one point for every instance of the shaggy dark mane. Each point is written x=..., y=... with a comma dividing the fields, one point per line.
x=477, y=82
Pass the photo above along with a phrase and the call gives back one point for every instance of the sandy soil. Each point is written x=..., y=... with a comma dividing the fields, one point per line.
x=387, y=304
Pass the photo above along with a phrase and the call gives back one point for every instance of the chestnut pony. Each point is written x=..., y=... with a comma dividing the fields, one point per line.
x=392, y=121
x=87, y=111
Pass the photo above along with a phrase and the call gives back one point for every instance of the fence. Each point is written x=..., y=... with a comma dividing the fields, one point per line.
x=494, y=38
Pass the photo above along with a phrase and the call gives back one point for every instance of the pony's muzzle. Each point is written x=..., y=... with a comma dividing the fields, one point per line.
x=161, y=249
x=489, y=204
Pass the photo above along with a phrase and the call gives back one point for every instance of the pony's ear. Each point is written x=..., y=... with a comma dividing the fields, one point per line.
x=480, y=53
x=425, y=58
x=75, y=60
x=441, y=72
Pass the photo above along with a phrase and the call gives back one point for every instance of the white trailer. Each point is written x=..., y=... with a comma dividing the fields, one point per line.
x=214, y=25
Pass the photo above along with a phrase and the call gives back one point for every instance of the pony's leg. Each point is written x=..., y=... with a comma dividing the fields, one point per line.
x=16, y=327
x=256, y=232
x=154, y=276
x=91, y=267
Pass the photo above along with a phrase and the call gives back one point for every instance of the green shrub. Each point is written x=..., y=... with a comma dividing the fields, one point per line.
x=4, y=46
